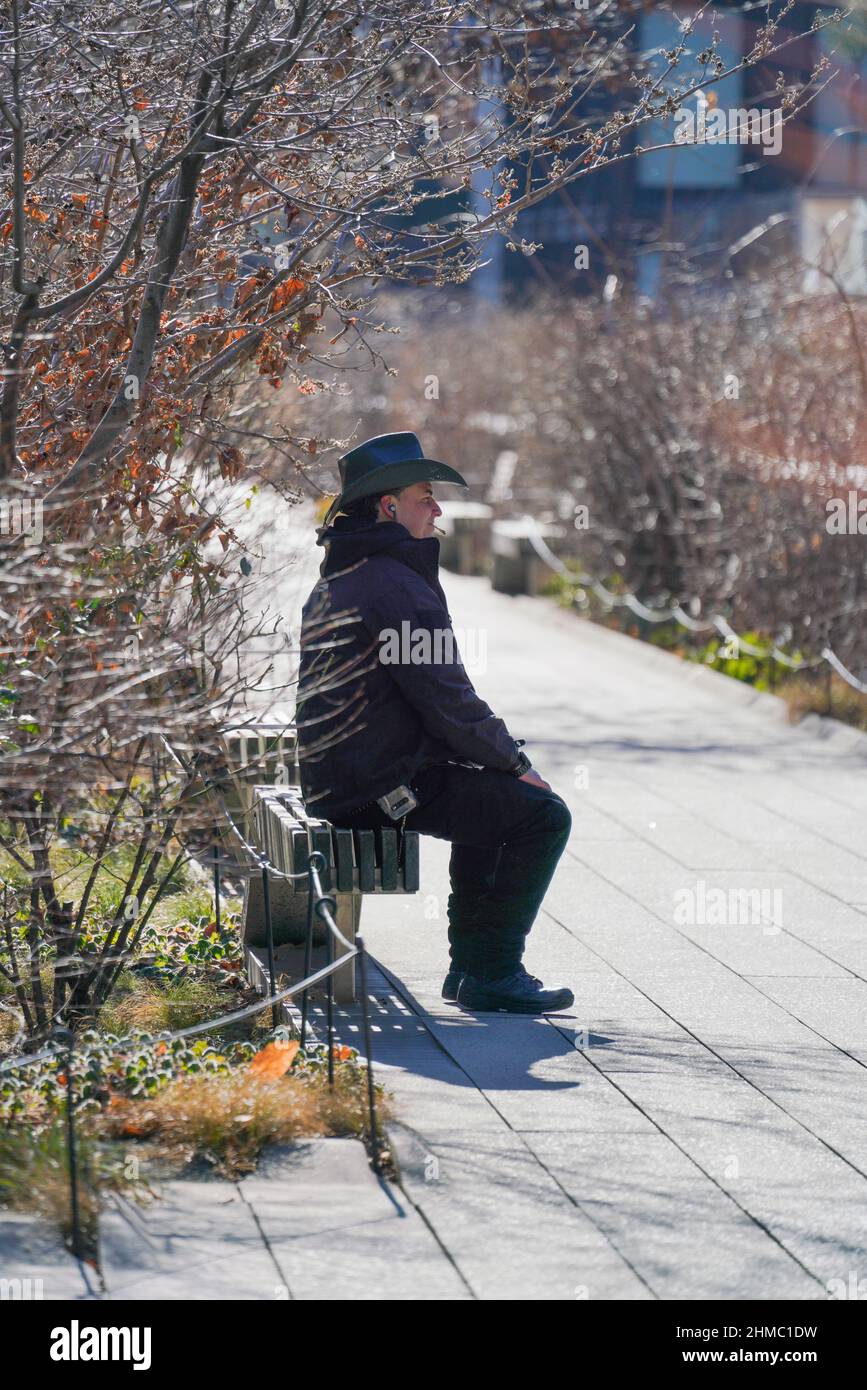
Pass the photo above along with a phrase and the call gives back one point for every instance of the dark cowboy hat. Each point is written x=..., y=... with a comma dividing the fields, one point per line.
x=387, y=461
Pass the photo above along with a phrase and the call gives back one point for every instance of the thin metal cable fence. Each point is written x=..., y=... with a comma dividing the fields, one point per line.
x=716, y=622
x=323, y=906
x=323, y=911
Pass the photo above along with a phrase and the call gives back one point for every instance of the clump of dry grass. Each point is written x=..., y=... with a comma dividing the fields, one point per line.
x=229, y=1119
x=810, y=696
x=34, y=1177
x=154, y=1006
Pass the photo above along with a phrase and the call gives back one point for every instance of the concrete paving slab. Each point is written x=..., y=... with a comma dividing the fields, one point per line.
x=838, y=1011
x=35, y=1264
x=836, y=870
x=508, y=1224
x=199, y=1240
x=779, y=1173
x=337, y=1232
x=527, y=1069
x=683, y=1235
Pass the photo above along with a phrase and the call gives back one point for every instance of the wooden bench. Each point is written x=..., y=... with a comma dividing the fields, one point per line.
x=516, y=566
x=466, y=545
x=264, y=752
x=357, y=862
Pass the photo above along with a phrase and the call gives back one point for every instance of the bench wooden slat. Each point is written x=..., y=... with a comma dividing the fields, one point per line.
x=264, y=822
x=320, y=840
x=291, y=799
x=386, y=847
x=296, y=836
x=262, y=818
x=300, y=855
x=275, y=833
x=344, y=862
x=409, y=861
x=265, y=827
x=365, y=853
x=286, y=824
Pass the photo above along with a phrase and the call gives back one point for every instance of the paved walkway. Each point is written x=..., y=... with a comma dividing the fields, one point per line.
x=695, y=1126
x=312, y=1223
x=35, y=1264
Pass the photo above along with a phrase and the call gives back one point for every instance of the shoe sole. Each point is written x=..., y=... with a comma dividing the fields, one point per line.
x=486, y=1003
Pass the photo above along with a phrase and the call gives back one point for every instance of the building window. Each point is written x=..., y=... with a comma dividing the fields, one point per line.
x=703, y=164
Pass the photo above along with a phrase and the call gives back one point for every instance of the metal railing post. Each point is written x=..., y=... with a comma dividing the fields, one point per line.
x=329, y=1002
x=216, y=887
x=368, y=1049
x=308, y=950
x=66, y=1038
x=269, y=933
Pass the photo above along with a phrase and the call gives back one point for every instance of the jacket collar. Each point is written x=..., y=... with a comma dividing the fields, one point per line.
x=350, y=540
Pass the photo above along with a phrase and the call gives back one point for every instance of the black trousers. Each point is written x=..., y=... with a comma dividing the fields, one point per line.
x=507, y=837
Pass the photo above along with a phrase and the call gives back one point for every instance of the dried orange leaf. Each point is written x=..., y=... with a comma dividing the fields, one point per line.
x=274, y=1059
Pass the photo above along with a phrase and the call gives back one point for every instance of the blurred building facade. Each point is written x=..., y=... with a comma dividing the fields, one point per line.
x=722, y=204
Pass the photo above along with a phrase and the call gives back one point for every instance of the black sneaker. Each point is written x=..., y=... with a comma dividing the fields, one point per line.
x=518, y=993
x=451, y=984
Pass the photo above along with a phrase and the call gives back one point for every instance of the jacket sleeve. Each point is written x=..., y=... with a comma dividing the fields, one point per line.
x=437, y=684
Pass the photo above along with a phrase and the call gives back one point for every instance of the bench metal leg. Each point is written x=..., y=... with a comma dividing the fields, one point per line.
x=348, y=918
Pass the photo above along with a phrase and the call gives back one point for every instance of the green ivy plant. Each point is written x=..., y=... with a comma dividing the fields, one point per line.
x=135, y=1066
x=759, y=671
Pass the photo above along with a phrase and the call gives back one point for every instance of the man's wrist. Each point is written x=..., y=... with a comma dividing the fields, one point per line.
x=521, y=765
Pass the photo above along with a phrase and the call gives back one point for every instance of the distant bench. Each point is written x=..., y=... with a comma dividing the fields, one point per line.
x=475, y=542
x=465, y=545
x=517, y=568
x=356, y=862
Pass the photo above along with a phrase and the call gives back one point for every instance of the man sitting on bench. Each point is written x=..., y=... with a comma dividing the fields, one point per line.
x=386, y=738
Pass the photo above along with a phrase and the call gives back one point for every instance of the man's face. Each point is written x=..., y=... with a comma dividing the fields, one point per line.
x=416, y=508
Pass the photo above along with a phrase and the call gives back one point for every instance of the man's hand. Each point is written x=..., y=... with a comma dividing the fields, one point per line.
x=535, y=780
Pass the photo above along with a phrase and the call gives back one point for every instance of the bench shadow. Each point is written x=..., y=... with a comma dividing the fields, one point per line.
x=457, y=1048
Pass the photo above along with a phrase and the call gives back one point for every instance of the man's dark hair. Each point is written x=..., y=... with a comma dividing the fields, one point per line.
x=367, y=507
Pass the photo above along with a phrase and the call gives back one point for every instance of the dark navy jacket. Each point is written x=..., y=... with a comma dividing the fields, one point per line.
x=365, y=726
